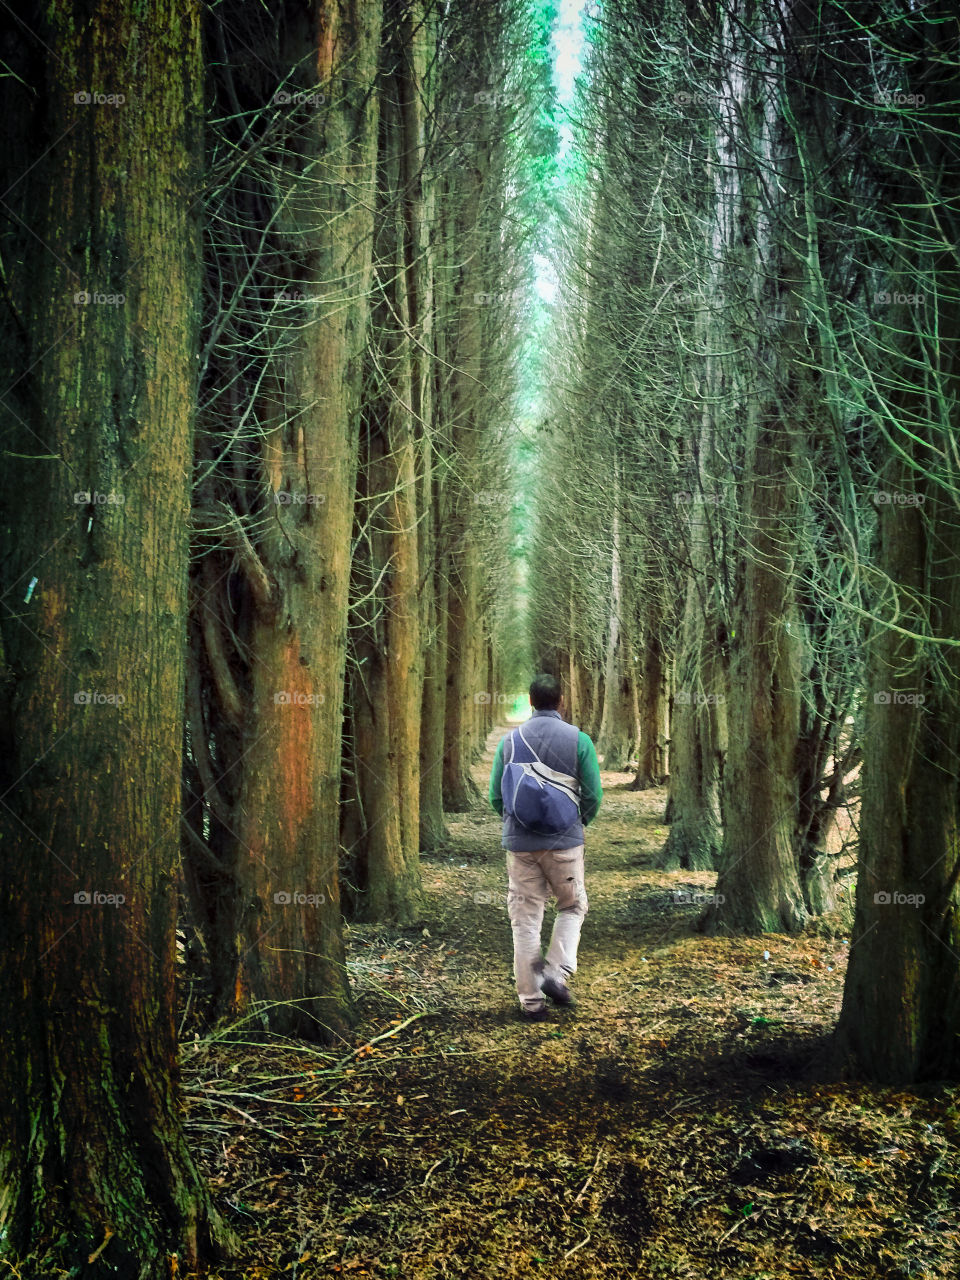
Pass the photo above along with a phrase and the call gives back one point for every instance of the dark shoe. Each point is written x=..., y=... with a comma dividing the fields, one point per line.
x=558, y=992
x=535, y=1015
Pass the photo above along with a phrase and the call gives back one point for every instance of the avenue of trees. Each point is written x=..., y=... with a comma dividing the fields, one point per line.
x=264, y=271
x=758, y=330
x=268, y=286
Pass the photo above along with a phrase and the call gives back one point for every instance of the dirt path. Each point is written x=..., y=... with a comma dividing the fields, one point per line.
x=675, y=1124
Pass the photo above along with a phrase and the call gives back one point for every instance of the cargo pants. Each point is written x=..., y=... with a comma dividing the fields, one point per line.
x=531, y=879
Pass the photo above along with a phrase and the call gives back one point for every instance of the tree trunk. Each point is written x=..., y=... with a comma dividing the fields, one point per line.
x=594, y=701
x=433, y=827
x=617, y=727
x=97, y=1174
x=462, y=570
x=697, y=744
x=386, y=679
x=422, y=212
x=900, y=1019
x=651, y=766
x=574, y=699
x=758, y=887
x=459, y=790
x=818, y=870
x=292, y=961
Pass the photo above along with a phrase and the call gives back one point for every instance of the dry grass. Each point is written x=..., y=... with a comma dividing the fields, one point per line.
x=680, y=1122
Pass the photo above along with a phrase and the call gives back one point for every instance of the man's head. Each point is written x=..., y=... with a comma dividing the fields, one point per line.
x=545, y=693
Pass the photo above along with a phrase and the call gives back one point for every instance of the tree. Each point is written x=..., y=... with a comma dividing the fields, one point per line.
x=386, y=673
x=487, y=107
x=101, y=264
x=288, y=279
x=900, y=1019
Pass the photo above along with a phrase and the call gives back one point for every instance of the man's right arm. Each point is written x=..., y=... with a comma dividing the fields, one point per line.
x=496, y=774
x=591, y=792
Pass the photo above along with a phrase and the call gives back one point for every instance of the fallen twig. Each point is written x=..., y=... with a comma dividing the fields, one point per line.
x=414, y=1017
x=596, y=1164
x=571, y=1252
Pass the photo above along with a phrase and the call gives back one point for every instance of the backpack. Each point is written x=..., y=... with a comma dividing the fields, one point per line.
x=539, y=798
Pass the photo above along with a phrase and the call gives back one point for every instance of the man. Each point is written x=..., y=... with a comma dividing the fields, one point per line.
x=539, y=864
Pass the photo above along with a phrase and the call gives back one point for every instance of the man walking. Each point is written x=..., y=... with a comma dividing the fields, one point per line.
x=545, y=784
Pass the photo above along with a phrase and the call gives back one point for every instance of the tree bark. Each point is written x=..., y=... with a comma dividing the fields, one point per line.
x=697, y=745
x=421, y=271
x=617, y=727
x=758, y=887
x=433, y=827
x=386, y=679
x=292, y=974
x=461, y=568
x=900, y=1019
x=652, y=763
x=462, y=621
x=92, y=1154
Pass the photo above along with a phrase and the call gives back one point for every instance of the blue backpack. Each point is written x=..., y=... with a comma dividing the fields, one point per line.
x=539, y=798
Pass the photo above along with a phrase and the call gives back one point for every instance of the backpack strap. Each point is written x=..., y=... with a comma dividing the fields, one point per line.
x=566, y=781
x=525, y=749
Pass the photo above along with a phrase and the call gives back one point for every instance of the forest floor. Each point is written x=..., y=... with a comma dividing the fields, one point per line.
x=681, y=1121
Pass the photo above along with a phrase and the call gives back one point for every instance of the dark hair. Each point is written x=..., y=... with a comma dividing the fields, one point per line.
x=545, y=693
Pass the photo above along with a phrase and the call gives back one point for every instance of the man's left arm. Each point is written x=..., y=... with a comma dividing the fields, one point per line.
x=591, y=792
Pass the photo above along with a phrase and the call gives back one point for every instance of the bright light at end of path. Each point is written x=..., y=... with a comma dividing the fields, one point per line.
x=546, y=278
x=567, y=65
x=520, y=709
x=567, y=43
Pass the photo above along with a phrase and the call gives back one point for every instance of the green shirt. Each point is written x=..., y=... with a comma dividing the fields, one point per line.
x=588, y=770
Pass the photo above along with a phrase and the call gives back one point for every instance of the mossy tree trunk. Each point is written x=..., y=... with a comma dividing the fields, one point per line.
x=386, y=678
x=291, y=949
x=900, y=1019
x=97, y=430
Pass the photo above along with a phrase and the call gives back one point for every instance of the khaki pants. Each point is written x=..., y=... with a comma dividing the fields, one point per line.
x=532, y=878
